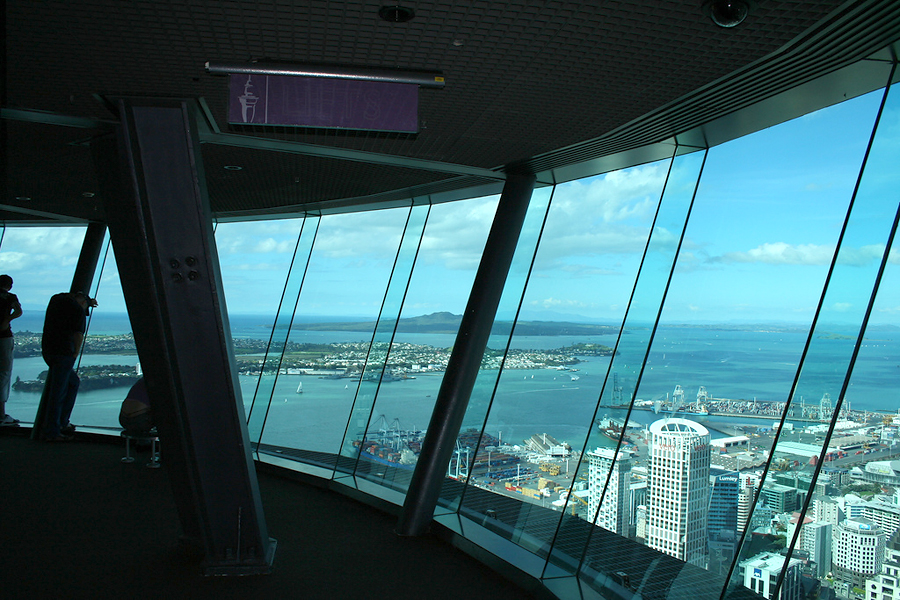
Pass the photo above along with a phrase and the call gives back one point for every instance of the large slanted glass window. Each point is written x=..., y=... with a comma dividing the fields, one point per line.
x=41, y=261
x=109, y=364
x=366, y=435
x=557, y=359
x=255, y=258
x=752, y=265
x=809, y=434
x=328, y=334
x=405, y=367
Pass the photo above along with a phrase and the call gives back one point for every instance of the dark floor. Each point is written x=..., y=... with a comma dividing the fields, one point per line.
x=76, y=522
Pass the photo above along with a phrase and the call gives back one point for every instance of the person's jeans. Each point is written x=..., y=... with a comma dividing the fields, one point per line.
x=6, y=363
x=62, y=387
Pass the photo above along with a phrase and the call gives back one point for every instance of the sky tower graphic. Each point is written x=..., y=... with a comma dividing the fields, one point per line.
x=679, y=489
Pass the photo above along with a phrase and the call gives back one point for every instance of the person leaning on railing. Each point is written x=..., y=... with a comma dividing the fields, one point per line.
x=63, y=334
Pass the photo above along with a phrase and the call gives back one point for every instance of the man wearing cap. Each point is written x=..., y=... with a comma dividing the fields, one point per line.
x=64, y=325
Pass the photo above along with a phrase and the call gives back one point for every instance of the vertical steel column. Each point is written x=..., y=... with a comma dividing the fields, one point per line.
x=87, y=260
x=161, y=228
x=81, y=281
x=465, y=361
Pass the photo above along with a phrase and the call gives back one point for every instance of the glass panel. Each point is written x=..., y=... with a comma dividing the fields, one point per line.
x=109, y=364
x=268, y=366
x=797, y=457
x=749, y=273
x=596, y=231
x=610, y=451
x=384, y=442
x=41, y=261
x=435, y=299
x=474, y=447
x=338, y=305
x=255, y=259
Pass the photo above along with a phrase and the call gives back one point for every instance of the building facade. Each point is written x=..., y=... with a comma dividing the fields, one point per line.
x=609, y=472
x=679, y=489
x=858, y=551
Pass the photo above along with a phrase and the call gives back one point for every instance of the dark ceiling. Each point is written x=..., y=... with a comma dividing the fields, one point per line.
x=532, y=83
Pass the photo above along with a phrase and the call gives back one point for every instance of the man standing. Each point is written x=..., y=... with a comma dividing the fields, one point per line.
x=63, y=335
x=9, y=309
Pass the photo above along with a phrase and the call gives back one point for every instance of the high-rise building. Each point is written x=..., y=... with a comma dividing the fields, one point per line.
x=886, y=585
x=613, y=511
x=637, y=496
x=723, y=501
x=745, y=507
x=858, y=551
x=816, y=539
x=679, y=489
x=780, y=498
x=828, y=510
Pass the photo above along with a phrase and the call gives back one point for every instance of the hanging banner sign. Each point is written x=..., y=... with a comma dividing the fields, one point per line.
x=323, y=103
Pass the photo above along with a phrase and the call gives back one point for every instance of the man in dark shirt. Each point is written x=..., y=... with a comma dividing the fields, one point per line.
x=64, y=325
x=9, y=309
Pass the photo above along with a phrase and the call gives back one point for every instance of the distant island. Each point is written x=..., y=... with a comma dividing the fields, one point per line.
x=446, y=322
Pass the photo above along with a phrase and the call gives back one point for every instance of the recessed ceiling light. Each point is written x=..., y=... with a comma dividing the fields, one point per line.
x=458, y=43
x=233, y=167
x=23, y=198
x=396, y=14
x=87, y=194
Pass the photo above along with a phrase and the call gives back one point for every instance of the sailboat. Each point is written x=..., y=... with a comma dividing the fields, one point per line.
x=300, y=388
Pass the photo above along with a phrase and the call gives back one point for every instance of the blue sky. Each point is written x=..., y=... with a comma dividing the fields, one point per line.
x=763, y=229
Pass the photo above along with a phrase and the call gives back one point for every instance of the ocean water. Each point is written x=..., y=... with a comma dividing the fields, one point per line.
x=733, y=364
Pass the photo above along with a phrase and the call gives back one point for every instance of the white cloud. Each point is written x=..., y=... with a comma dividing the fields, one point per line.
x=559, y=303
x=272, y=245
x=14, y=261
x=781, y=253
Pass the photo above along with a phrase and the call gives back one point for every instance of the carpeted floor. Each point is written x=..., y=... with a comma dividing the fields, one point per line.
x=76, y=522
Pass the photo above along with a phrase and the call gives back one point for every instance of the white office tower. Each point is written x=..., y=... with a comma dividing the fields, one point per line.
x=679, y=489
x=761, y=572
x=886, y=585
x=816, y=539
x=613, y=513
x=858, y=551
x=745, y=507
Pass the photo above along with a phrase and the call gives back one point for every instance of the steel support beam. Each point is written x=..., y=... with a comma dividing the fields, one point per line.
x=85, y=268
x=91, y=248
x=158, y=214
x=465, y=361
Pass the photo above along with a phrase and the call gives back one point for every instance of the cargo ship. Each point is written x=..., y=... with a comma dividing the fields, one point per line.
x=612, y=429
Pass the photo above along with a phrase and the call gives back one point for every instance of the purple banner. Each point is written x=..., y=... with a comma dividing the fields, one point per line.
x=322, y=102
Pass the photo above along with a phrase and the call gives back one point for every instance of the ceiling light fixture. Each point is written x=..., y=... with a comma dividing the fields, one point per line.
x=727, y=13
x=396, y=14
x=233, y=168
x=430, y=79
